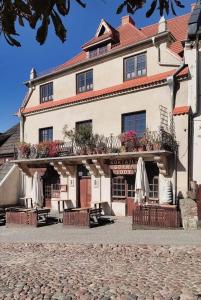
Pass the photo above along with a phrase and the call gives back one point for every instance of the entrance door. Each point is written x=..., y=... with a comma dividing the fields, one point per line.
x=85, y=192
x=49, y=178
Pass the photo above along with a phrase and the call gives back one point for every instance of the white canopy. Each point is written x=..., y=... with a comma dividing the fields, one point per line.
x=37, y=191
x=141, y=182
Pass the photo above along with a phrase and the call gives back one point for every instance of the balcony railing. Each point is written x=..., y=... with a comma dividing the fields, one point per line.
x=150, y=141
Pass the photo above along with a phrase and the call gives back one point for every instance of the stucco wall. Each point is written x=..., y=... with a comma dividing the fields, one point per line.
x=105, y=113
x=106, y=73
x=182, y=131
x=10, y=188
x=197, y=149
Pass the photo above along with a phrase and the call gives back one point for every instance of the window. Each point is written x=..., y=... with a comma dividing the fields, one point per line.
x=82, y=124
x=85, y=81
x=135, y=66
x=45, y=134
x=46, y=92
x=98, y=51
x=123, y=187
x=153, y=193
x=134, y=121
x=118, y=187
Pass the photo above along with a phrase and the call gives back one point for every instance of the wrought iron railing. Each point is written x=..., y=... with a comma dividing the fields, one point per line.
x=150, y=141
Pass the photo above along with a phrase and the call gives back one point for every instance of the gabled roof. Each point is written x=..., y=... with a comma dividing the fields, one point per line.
x=126, y=86
x=12, y=138
x=129, y=34
x=110, y=34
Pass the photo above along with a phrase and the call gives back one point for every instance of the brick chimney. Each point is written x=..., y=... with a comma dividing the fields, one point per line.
x=127, y=20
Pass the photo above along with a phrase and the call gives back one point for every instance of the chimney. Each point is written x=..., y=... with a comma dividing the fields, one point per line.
x=162, y=25
x=127, y=20
x=193, y=6
x=33, y=74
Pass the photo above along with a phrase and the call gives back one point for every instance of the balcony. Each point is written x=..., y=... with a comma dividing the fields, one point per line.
x=97, y=145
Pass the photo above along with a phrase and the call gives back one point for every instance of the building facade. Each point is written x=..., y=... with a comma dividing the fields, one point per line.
x=124, y=96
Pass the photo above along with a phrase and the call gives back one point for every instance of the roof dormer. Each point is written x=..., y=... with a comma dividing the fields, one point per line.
x=105, y=34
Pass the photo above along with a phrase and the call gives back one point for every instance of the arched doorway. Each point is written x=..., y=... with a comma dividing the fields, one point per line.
x=49, y=178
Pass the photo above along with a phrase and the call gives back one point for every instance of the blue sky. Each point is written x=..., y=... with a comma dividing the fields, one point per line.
x=16, y=63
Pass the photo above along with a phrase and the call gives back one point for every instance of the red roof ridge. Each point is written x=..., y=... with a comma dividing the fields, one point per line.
x=168, y=20
x=126, y=85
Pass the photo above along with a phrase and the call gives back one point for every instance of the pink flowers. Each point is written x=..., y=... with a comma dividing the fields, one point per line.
x=128, y=136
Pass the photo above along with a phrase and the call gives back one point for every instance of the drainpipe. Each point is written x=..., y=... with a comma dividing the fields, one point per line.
x=22, y=119
x=171, y=81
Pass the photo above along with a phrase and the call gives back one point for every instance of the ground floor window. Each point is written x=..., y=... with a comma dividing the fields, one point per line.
x=153, y=178
x=123, y=187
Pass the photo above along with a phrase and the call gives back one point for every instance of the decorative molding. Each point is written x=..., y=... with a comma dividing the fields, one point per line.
x=68, y=169
x=91, y=168
x=101, y=167
x=162, y=164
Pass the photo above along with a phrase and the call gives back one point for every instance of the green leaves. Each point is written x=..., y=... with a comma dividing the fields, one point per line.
x=38, y=13
x=131, y=5
x=41, y=13
x=163, y=6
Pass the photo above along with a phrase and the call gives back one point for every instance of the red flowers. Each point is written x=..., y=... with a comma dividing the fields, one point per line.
x=128, y=136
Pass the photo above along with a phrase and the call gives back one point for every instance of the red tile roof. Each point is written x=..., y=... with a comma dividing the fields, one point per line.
x=181, y=110
x=112, y=34
x=130, y=34
x=91, y=95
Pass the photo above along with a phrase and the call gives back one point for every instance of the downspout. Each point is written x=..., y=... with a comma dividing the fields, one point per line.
x=171, y=80
x=22, y=119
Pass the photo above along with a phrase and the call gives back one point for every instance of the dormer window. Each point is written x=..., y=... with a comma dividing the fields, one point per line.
x=98, y=51
x=135, y=66
x=46, y=92
x=105, y=37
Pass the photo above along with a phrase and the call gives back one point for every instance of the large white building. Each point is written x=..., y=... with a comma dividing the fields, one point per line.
x=126, y=80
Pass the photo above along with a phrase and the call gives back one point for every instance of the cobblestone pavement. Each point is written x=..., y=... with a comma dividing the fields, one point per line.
x=59, y=271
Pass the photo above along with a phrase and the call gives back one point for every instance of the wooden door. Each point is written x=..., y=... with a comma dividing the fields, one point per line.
x=85, y=192
x=50, y=177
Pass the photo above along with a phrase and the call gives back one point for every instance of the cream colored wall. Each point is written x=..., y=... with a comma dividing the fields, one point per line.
x=10, y=188
x=111, y=109
x=182, y=131
x=106, y=73
x=197, y=149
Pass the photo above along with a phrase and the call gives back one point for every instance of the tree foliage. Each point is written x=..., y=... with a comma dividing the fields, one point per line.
x=40, y=13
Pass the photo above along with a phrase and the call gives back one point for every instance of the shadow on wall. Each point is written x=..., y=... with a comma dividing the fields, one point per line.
x=180, y=166
x=107, y=209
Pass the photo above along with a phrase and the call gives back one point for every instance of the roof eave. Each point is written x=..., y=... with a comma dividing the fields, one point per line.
x=85, y=62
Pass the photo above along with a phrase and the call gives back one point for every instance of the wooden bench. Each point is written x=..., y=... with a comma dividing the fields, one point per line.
x=2, y=216
x=83, y=217
x=23, y=216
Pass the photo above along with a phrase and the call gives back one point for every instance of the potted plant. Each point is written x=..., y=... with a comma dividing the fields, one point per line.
x=23, y=150
x=101, y=146
x=43, y=149
x=54, y=148
x=129, y=140
x=142, y=143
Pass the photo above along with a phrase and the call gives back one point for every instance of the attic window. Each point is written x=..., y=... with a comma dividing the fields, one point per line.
x=97, y=51
x=102, y=31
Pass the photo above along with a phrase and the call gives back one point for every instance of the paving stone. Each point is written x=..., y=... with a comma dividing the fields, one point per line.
x=95, y=272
